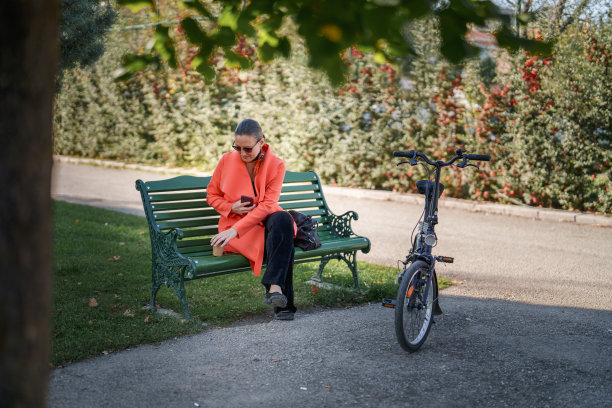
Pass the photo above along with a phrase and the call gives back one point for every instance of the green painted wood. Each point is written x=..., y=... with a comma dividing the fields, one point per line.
x=302, y=205
x=184, y=244
x=333, y=247
x=217, y=263
x=300, y=177
x=206, y=263
x=177, y=184
x=300, y=197
x=292, y=188
x=200, y=222
x=197, y=195
x=177, y=215
x=180, y=205
x=314, y=212
x=197, y=251
x=200, y=232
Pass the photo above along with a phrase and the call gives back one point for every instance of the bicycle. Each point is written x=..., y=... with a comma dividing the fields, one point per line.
x=417, y=296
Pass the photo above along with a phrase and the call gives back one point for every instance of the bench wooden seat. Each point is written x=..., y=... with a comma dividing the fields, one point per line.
x=181, y=224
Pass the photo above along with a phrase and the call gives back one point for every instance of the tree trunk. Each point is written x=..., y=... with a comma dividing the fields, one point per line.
x=28, y=59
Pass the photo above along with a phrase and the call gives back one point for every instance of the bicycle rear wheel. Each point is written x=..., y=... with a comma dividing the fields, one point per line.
x=415, y=306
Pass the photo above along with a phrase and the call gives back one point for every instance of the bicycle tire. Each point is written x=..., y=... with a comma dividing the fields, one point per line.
x=412, y=321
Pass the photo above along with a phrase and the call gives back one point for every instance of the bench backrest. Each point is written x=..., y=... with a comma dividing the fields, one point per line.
x=180, y=202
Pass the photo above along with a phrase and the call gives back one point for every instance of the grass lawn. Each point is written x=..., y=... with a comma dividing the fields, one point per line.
x=102, y=280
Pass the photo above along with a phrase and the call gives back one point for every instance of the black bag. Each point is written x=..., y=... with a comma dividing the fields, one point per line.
x=306, y=237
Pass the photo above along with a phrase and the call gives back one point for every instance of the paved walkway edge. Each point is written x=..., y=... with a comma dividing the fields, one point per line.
x=473, y=206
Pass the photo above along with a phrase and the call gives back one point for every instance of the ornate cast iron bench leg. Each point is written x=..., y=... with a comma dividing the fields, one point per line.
x=178, y=284
x=324, y=261
x=351, y=260
x=157, y=280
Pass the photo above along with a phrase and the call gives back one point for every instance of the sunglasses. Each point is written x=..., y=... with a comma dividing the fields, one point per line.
x=246, y=149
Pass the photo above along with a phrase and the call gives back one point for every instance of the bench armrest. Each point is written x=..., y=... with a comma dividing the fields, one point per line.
x=341, y=224
x=165, y=250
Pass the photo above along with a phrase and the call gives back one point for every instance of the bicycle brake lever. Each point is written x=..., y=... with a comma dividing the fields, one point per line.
x=402, y=162
x=463, y=164
x=473, y=165
x=413, y=161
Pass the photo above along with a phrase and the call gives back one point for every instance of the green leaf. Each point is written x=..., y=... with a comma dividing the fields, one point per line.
x=229, y=17
x=273, y=23
x=133, y=63
x=207, y=71
x=507, y=39
x=224, y=37
x=379, y=57
x=284, y=47
x=136, y=5
x=336, y=71
x=453, y=28
x=244, y=25
x=164, y=45
x=234, y=60
x=264, y=36
x=198, y=6
x=192, y=29
x=266, y=52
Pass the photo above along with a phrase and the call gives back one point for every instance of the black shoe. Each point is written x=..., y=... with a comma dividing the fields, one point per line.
x=284, y=315
x=276, y=299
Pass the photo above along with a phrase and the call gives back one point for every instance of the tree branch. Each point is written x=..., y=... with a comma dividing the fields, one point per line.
x=577, y=11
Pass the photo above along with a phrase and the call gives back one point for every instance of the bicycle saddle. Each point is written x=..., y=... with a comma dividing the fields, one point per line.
x=423, y=185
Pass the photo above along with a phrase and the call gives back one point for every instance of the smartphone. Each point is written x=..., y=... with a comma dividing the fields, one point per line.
x=246, y=199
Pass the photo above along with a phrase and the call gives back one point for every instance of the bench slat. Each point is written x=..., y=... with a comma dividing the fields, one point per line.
x=177, y=184
x=186, y=243
x=292, y=188
x=196, y=204
x=200, y=222
x=178, y=215
x=200, y=232
x=302, y=205
x=298, y=177
x=298, y=197
x=314, y=212
x=192, y=195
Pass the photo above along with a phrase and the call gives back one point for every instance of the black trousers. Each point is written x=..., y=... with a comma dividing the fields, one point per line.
x=279, y=255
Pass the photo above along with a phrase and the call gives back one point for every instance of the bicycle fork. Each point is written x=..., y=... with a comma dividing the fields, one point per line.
x=391, y=303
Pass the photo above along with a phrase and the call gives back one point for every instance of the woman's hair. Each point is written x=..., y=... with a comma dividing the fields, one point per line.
x=249, y=127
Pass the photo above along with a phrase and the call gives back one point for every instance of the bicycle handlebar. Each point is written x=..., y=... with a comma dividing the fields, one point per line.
x=408, y=154
x=411, y=154
x=481, y=157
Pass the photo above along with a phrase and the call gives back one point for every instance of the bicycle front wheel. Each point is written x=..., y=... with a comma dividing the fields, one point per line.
x=415, y=306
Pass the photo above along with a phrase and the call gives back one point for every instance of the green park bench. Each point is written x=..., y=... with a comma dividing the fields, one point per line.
x=181, y=224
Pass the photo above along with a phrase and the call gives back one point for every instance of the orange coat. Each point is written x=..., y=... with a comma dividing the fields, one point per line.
x=229, y=181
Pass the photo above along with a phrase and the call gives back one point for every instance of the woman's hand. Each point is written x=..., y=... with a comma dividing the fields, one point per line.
x=242, y=208
x=223, y=238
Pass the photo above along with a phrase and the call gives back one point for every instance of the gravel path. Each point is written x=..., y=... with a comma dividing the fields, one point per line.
x=528, y=324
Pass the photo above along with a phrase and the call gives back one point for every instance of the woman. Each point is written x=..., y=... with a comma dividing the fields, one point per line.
x=261, y=229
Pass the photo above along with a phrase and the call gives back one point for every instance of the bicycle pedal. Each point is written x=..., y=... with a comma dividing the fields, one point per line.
x=445, y=259
x=390, y=303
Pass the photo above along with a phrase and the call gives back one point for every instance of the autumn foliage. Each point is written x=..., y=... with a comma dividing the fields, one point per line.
x=544, y=120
